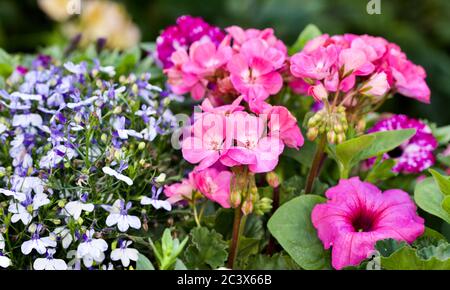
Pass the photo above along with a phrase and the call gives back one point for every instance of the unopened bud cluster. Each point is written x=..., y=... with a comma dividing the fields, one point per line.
x=333, y=124
x=244, y=193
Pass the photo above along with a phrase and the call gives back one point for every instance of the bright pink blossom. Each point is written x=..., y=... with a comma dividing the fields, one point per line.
x=253, y=72
x=240, y=36
x=357, y=215
x=252, y=148
x=179, y=191
x=207, y=142
x=283, y=124
x=214, y=183
x=318, y=92
x=314, y=65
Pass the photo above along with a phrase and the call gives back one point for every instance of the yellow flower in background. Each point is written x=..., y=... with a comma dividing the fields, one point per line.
x=96, y=19
x=55, y=9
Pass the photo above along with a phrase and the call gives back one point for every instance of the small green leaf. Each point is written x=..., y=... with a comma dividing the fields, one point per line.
x=442, y=181
x=347, y=152
x=292, y=227
x=381, y=171
x=429, y=198
x=207, y=249
x=143, y=263
x=179, y=265
x=309, y=32
x=446, y=204
x=386, y=141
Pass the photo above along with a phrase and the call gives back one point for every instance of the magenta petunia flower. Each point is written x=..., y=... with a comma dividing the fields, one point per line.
x=416, y=154
x=187, y=30
x=357, y=215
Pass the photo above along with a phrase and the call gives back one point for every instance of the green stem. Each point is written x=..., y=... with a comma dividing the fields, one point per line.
x=235, y=237
x=314, y=170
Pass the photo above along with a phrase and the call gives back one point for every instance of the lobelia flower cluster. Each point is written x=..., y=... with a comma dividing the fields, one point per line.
x=70, y=135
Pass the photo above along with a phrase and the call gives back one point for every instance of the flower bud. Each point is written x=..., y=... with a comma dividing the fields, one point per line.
x=161, y=178
x=331, y=136
x=318, y=92
x=104, y=138
x=235, y=198
x=361, y=126
x=247, y=207
x=312, y=133
x=141, y=146
x=272, y=179
x=117, y=110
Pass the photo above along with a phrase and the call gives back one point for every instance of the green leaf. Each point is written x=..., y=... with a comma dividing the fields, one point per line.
x=207, y=249
x=309, y=32
x=292, y=227
x=442, y=134
x=143, y=263
x=442, y=181
x=6, y=63
x=446, y=204
x=276, y=262
x=304, y=156
x=347, y=152
x=381, y=171
x=386, y=141
x=179, y=265
x=405, y=257
x=352, y=151
x=429, y=198
x=388, y=246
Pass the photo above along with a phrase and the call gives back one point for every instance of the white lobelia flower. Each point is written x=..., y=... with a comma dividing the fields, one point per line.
x=124, y=254
x=27, y=184
x=56, y=155
x=155, y=201
x=118, y=214
x=64, y=235
x=27, y=120
x=112, y=172
x=49, y=263
x=27, y=209
x=119, y=126
x=5, y=262
x=37, y=243
x=19, y=196
x=91, y=249
x=74, y=208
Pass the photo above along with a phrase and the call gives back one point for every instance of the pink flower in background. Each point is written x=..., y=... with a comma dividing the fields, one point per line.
x=240, y=36
x=253, y=72
x=206, y=58
x=314, y=65
x=180, y=191
x=283, y=124
x=357, y=215
x=299, y=86
x=318, y=92
x=377, y=85
x=214, y=184
x=416, y=154
x=187, y=30
x=331, y=58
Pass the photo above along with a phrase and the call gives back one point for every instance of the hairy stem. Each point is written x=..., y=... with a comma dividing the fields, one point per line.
x=314, y=170
x=235, y=237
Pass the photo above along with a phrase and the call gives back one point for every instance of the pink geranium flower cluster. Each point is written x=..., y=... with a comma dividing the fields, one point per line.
x=232, y=137
x=246, y=62
x=369, y=65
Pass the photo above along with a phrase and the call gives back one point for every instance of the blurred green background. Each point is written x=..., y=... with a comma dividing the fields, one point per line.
x=421, y=28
